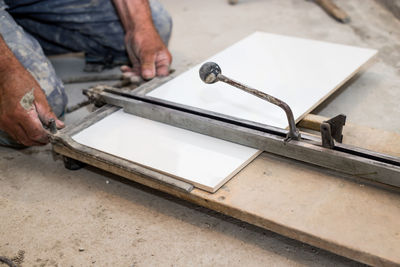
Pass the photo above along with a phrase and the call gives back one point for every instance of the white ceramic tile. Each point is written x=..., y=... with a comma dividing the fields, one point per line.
x=300, y=72
x=202, y=160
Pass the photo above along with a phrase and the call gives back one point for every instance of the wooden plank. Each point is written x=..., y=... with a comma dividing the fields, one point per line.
x=333, y=10
x=307, y=203
x=301, y=72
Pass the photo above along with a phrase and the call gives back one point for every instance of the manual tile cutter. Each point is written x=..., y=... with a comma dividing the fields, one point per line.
x=322, y=151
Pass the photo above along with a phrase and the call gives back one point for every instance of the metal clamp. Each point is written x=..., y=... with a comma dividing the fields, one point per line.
x=52, y=126
x=332, y=129
x=210, y=72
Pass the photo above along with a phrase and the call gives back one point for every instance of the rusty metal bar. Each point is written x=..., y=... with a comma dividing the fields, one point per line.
x=210, y=72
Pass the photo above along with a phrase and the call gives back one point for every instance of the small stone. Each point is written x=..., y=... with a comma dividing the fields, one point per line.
x=107, y=181
x=81, y=249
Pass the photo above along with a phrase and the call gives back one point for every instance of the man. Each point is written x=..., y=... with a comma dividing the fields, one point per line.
x=110, y=32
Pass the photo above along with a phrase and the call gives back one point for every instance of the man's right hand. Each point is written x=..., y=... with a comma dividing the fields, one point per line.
x=23, y=105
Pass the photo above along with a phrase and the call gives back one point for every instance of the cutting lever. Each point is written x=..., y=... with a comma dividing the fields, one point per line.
x=210, y=72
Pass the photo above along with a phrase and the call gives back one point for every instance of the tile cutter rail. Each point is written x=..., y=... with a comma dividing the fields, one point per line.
x=321, y=151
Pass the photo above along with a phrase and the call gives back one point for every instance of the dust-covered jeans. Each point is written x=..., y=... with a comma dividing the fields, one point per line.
x=33, y=28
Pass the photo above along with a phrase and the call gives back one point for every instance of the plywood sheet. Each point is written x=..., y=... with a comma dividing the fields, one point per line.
x=344, y=215
x=300, y=72
x=202, y=160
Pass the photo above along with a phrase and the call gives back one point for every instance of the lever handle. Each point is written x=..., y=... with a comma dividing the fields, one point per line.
x=210, y=73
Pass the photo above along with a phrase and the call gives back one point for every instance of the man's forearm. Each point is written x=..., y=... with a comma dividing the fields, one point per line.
x=135, y=15
x=8, y=62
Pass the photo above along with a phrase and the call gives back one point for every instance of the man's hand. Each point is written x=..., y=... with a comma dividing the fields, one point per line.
x=147, y=52
x=23, y=105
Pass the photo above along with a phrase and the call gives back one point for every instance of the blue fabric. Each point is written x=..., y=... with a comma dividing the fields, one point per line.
x=91, y=26
x=33, y=28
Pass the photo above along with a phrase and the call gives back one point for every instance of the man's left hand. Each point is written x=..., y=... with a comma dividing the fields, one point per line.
x=148, y=54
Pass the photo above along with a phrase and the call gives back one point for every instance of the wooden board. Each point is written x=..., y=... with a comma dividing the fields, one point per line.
x=201, y=160
x=325, y=209
x=300, y=72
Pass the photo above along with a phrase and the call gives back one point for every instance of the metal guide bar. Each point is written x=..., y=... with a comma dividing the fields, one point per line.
x=354, y=161
x=118, y=101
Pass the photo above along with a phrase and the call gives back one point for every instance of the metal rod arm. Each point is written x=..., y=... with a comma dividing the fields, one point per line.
x=293, y=131
x=210, y=72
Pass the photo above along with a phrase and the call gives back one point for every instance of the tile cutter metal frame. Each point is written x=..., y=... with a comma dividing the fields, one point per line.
x=321, y=151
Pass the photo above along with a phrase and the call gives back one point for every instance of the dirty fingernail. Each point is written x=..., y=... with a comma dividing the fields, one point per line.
x=127, y=75
x=125, y=68
x=60, y=124
x=135, y=79
x=147, y=74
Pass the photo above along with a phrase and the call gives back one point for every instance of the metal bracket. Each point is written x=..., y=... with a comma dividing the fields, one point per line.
x=52, y=126
x=332, y=129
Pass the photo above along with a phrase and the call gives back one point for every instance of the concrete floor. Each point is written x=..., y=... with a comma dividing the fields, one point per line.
x=55, y=217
